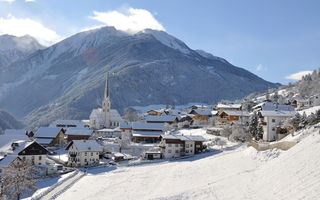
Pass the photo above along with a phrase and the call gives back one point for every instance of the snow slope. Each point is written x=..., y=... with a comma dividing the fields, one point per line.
x=239, y=173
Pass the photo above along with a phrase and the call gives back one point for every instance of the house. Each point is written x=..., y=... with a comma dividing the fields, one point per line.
x=272, y=106
x=202, y=114
x=29, y=151
x=83, y=153
x=143, y=132
x=78, y=134
x=234, y=116
x=162, y=119
x=69, y=124
x=107, y=133
x=10, y=161
x=156, y=112
x=48, y=136
x=6, y=142
x=271, y=121
x=303, y=103
x=231, y=107
x=178, y=145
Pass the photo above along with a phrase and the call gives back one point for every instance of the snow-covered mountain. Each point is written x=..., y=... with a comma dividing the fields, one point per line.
x=13, y=48
x=67, y=79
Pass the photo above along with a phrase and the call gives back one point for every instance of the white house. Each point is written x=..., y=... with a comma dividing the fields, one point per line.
x=271, y=120
x=83, y=153
x=107, y=133
x=178, y=145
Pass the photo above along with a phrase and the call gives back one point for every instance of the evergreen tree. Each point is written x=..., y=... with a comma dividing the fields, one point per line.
x=254, y=125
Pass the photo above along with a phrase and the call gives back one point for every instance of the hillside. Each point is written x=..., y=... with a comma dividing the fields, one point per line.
x=8, y=122
x=67, y=79
x=235, y=173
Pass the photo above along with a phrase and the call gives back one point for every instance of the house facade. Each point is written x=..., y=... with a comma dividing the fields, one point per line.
x=178, y=145
x=83, y=153
x=142, y=132
x=230, y=116
x=271, y=121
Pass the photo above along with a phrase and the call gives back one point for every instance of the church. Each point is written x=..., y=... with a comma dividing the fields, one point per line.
x=105, y=117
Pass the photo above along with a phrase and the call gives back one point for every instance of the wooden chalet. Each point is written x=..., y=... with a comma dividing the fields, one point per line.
x=48, y=136
x=169, y=119
x=78, y=134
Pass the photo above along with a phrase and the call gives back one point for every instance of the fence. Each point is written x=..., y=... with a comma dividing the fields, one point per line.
x=284, y=145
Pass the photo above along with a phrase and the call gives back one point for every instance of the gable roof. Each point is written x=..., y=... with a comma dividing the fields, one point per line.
x=79, y=131
x=147, y=126
x=76, y=123
x=47, y=132
x=278, y=113
x=184, y=137
x=236, y=113
x=228, y=106
x=162, y=118
x=85, y=145
x=146, y=133
x=205, y=112
x=6, y=161
x=7, y=140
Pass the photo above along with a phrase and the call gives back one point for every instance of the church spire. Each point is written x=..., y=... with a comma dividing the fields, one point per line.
x=107, y=89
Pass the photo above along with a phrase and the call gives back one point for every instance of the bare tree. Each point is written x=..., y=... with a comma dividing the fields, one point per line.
x=18, y=181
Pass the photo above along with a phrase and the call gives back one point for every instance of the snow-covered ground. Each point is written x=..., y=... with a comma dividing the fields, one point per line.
x=235, y=173
x=308, y=111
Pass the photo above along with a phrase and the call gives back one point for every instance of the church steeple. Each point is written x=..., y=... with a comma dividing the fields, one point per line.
x=106, y=103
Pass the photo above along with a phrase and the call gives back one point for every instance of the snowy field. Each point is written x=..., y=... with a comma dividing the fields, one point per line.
x=235, y=173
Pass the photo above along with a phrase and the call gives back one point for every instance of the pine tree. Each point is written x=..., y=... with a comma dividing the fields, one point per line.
x=254, y=125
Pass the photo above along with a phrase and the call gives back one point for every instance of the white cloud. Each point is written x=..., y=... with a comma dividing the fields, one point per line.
x=260, y=67
x=298, y=76
x=25, y=26
x=30, y=0
x=131, y=20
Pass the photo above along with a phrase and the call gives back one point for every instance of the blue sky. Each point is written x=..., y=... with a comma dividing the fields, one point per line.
x=272, y=39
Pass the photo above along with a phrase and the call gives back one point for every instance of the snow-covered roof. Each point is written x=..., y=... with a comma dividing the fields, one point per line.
x=125, y=125
x=142, y=126
x=279, y=113
x=47, y=132
x=147, y=134
x=147, y=126
x=7, y=140
x=206, y=112
x=271, y=106
x=21, y=146
x=77, y=123
x=15, y=132
x=237, y=113
x=79, y=131
x=184, y=137
x=86, y=145
x=6, y=161
x=163, y=118
x=46, y=141
x=228, y=106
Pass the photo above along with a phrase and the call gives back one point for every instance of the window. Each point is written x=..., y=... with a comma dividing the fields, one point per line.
x=85, y=154
x=177, y=145
x=187, y=145
x=190, y=145
x=273, y=129
x=40, y=157
x=187, y=151
x=177, y=151
x=23, y=158
x=169, y=145
x=91, y=153
x=169, y=151
x=273, y=120
x=85, y=160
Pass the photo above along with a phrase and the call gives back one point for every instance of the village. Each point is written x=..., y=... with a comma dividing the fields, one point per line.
x=107, y=139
